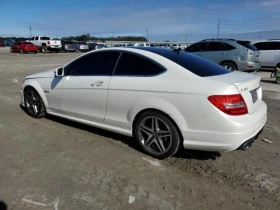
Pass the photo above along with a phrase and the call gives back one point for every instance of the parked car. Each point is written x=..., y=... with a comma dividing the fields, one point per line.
x=161, y=97
x=2, y=44
x=23, y=47
x=269, y=52
x=96, y=46
x=178, y=46
x=68, y=46
x=229, y=53
x=9, y=42
x=81, y=46
x=141, y=45
x=45, y=44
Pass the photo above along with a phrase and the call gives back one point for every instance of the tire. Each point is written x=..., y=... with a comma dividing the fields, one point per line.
x=230, y=66
x=34, y=105
x=148, y=129
x=44, y=49
x=278, y=80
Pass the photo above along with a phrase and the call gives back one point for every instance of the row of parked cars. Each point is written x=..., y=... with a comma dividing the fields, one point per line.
x=237, y=54
x=45, y=44
x=229, y=53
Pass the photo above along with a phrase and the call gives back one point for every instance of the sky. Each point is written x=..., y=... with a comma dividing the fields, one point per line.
x=176, y=20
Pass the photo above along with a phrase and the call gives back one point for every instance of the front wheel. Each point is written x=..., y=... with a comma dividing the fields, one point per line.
x=157, y=135
x=33, y=103
x=229, y=66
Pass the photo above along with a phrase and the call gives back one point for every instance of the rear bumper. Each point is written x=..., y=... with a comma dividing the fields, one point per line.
x=249, y=66
x=220, y=132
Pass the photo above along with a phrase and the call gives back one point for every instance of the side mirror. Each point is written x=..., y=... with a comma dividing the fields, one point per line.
x=59, y=72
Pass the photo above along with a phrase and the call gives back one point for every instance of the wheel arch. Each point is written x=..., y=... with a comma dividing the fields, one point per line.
x=36, y=86
x=230, y=61
x=136, y=117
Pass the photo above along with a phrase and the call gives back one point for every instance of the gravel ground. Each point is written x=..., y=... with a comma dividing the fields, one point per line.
x=53, y=163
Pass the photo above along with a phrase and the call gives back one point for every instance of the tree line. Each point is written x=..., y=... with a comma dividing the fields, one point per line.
x=86, y=37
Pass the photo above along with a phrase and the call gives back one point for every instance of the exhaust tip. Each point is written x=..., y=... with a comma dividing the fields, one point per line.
x=246, y=144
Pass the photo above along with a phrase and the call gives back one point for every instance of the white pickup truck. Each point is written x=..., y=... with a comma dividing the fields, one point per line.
x=44, y=43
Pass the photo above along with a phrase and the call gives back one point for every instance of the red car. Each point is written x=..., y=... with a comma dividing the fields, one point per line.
x=2, y=44
x=24, y=47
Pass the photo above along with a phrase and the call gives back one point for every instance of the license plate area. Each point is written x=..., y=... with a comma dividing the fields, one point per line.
x=255, y=95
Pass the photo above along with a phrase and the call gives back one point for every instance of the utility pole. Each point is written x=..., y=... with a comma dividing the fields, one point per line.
x=30, y=31
x=113, y=36
x=219, y=24
x=147, y=34
x=259, y=37
x=186, y=38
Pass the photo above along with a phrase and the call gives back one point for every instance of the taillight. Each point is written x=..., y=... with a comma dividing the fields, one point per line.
x=229, y=104
x=49, y=42
x=249, y=52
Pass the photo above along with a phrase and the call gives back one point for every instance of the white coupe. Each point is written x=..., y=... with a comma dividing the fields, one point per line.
x=165, y=99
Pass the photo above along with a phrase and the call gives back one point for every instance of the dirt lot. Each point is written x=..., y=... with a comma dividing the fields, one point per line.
x=57, y=164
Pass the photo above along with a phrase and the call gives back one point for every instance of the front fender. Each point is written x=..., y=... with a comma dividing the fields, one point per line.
x=35, y=84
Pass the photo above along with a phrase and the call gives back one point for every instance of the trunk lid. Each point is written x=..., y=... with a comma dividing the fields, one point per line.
x=248, y=86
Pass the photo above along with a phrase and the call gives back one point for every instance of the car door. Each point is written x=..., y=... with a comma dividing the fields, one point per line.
x=133, y=79
x=197, y=48
x=270, y=55
x=215, y=52
x=16, y=46
x=82, y=92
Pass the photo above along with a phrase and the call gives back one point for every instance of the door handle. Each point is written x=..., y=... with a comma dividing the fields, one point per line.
x=97, y=83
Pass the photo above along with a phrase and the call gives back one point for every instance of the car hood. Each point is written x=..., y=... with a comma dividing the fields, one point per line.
x=45, y=74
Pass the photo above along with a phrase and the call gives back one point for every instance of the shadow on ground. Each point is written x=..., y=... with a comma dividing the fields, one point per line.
x=182, y=154
x=3, y=206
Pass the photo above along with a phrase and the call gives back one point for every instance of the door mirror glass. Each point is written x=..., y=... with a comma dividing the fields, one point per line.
x=59, y=72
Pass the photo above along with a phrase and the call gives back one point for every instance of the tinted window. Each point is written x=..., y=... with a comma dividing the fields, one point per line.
x=134, y=65
x=273, y=46
x=247, y=45
x=213, y=46
x=261, y=45
x=27, y=43
x=193, y=63
x=101, y=63
x=228, y=46
x=36, y=38
x=45, y=38
x=198, y=47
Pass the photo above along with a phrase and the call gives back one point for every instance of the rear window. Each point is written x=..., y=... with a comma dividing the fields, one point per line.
x=197, y=65
x=45, y=38
x=27, y=43
x=247, y=45
x=68, y=42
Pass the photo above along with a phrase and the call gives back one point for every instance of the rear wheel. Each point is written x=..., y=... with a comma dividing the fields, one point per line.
x=33, y=103
x=44, y=49
x=230, y=66
x=157, y=135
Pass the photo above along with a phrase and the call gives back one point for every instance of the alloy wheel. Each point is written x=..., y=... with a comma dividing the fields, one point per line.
x=155, y=135
x=32, y=102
